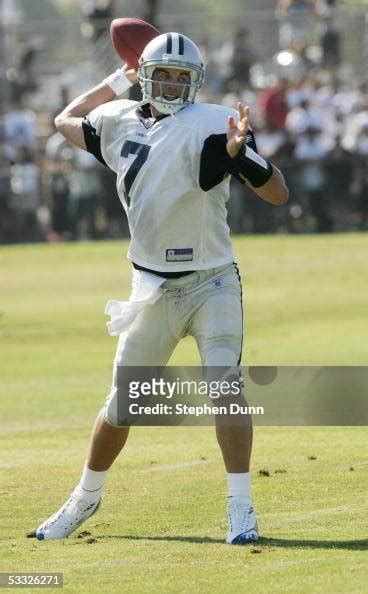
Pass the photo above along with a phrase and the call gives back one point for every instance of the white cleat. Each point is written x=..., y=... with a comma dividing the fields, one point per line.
x=243, y=528
x=71, y=515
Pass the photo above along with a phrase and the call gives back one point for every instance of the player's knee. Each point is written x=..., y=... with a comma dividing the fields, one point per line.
x=221, y=356
x=111, y=409
x=117, y=407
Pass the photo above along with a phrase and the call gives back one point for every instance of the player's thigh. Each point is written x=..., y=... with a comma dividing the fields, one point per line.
x=218, y=324
x=146, y=346
x=149, y=340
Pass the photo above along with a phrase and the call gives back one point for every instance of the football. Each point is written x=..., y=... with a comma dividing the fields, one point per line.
x=129, y=37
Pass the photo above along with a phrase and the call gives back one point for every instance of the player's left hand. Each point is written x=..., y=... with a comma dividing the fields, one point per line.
x=237, y=131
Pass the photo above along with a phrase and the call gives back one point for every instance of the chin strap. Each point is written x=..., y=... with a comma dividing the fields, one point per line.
x=144, y=102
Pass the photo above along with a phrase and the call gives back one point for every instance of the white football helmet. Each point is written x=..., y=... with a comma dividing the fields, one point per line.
x=171, y=50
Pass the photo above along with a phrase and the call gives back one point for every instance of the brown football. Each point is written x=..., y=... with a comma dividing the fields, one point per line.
x=129, y=37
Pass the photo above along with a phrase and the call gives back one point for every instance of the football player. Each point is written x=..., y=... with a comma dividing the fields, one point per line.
x=173, y=159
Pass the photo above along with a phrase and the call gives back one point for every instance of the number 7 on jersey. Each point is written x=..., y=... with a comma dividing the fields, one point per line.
x=141, y=151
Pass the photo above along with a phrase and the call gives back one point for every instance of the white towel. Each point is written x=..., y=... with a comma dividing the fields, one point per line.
x=146, y=290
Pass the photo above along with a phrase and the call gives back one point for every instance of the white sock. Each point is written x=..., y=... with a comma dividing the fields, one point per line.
x=238, y=484
x=91, y=483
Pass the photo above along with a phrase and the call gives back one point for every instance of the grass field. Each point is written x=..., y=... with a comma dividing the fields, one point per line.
x=162, y=526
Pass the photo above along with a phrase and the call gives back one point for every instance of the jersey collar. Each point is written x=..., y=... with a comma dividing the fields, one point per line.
x=144, y=115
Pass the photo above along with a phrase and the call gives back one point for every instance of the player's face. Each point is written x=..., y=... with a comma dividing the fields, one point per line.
x=169, y=83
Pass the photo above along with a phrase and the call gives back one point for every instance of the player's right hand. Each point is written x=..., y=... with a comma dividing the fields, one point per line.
x=131, y=74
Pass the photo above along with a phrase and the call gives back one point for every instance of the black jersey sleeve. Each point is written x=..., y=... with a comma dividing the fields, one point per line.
x=215, y=161
x=92, y=140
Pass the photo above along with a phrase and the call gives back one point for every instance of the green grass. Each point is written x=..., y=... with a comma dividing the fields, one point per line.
x=162, y=524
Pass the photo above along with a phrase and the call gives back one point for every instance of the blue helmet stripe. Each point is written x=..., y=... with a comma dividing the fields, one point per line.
x=181, y=45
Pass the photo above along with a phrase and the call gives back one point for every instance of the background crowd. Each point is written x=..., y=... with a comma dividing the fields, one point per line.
x=309, y=111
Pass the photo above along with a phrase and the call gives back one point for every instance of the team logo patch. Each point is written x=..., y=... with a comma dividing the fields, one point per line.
x=179, y=255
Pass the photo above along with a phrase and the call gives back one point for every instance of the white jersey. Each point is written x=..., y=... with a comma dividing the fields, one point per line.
x=174, y=224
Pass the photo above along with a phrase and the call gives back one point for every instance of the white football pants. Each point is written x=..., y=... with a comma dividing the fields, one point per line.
x=206, y=305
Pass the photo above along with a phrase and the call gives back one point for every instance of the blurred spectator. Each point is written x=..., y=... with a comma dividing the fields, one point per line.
x=74, y=186
x=361, y=147
x=58, y=154
x=242, y=56
x=302, y=117
x=85, y=191
x=237, y=211
x=339, y=171
x=23, y=78
x=150, y=11
x=273, y=104
x=295, y=17
x=116, y=220
x=212, y=88
x=20, y=126
x=246, y=214
x=348, y=99
x=25, y=199
x=6, y=215
x=311, y=150
x=356, y=137
x=99, y=14
x=299, y=90
x=271, y=141
x=248, y=97
x=359, y=194
x=328, y=12
x=63, y=99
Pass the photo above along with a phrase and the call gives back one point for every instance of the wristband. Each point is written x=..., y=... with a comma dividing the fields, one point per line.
x=251, y=165
x=118, y=82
